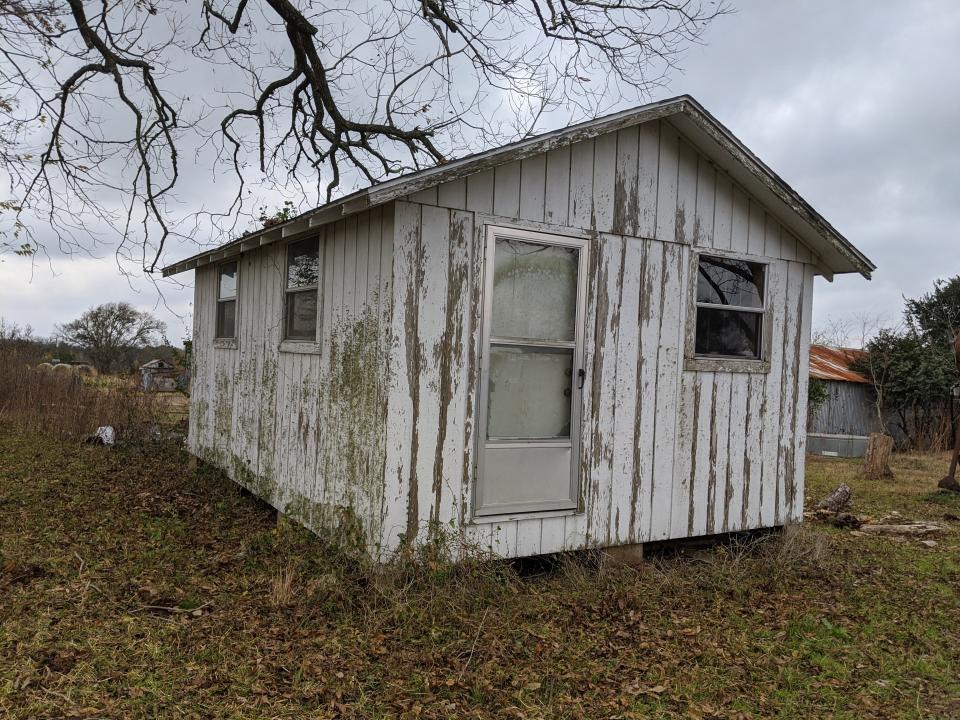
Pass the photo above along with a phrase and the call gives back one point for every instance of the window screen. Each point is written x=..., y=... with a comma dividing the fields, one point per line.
x=532, y=339
x=227, y=300
x=303, y=277
x=730, y=308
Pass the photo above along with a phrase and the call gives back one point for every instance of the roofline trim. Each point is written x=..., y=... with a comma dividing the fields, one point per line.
x=404, y=185
x=784, y=192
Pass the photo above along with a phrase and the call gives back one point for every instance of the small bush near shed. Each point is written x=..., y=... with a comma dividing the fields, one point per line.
x=67, y=403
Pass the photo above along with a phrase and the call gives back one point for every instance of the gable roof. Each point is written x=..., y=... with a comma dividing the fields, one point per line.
x=158, y=364
x=828, y=363
x=836, y=253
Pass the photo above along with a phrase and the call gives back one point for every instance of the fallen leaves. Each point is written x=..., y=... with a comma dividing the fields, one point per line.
x=185, y=624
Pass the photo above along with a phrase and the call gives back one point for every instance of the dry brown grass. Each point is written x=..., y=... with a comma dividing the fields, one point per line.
x=70, y=405
x=131, y=587
x=281, y=590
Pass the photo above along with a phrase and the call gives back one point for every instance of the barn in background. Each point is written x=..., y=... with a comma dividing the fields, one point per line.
x=841, y=425
x=594, y=337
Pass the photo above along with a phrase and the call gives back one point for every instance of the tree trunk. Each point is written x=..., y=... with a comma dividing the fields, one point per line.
x=876, y=463
x=837, y=500
x=950, y=481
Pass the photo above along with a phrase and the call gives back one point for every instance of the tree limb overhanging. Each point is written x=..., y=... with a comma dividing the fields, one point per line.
x=99, y=101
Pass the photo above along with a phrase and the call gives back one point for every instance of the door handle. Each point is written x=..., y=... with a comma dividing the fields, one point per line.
x=582, y=376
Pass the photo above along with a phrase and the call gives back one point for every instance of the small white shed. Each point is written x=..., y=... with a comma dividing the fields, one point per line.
x=594, y=337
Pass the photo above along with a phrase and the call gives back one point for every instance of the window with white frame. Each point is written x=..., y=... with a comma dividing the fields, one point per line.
x=227, y=300
x=302, y=283
x=730, y=308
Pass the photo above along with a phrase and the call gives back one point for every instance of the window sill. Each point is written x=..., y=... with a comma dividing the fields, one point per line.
x=304, y=347
x=726, y=365
x=225, y=343
x=510, y=517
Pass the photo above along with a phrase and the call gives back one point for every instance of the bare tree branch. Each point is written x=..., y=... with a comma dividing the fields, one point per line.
x=99, y=100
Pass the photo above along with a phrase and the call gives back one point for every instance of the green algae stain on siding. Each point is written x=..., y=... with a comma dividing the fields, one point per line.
x=265, y=420
x=357, y=372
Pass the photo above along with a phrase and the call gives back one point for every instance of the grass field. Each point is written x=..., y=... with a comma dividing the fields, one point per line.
x=132, y=587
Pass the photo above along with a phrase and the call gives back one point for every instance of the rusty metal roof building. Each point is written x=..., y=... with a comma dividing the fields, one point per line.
x=828, y=363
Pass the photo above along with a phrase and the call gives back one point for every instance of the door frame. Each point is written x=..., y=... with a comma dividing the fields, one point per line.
x=490, y=233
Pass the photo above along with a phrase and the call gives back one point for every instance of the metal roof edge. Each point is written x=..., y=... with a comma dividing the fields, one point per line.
x=403, y=185
x=724, y=137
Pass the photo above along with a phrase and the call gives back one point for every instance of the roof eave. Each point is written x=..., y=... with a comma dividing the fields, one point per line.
x=684, y=111
x=819, y=226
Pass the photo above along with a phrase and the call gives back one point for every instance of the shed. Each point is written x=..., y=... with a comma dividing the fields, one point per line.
x=158, y=376
x=841, y=425
x=594, y=337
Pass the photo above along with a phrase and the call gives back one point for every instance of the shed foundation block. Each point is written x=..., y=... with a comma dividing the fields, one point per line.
x=620, y=555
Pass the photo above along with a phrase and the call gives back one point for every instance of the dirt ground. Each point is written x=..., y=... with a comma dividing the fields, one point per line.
x=131, y=586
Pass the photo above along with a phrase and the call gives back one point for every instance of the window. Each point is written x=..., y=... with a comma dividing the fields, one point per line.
x=227, y=300
x=303, y=274
x=730, y=308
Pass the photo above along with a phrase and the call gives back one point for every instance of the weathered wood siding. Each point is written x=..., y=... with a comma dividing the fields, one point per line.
x=666, y=452
x=848, y=410
x=378, y=432
x=305, y=431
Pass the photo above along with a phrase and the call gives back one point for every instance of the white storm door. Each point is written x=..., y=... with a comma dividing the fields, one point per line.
x=532, y=374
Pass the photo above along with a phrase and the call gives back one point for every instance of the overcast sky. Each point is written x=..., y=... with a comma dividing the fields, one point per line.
x=854, y=103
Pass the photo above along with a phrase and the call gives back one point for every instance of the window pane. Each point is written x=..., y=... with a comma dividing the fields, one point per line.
x=534, y=290
x=302, y=315
x=228, y=281
x=730, y=282
x=728, y=332
x=303, y=263
x=529, y=392
x=226, y=319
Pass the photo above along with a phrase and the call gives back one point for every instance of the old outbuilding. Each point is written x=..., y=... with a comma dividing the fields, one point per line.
x=158, y=375
x=841, y=424
x=595, y=337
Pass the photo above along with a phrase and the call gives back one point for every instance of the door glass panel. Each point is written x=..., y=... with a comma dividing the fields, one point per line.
x=534, y=291
x=529, y=392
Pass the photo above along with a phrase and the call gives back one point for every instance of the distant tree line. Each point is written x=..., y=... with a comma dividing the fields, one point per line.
x=113, y=337
x=32, y=348
x=913, y=370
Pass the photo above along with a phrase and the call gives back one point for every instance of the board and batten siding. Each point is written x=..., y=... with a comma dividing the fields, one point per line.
x=303, y=430
x=849, y=409
x=377, y=433
x=666, y=452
